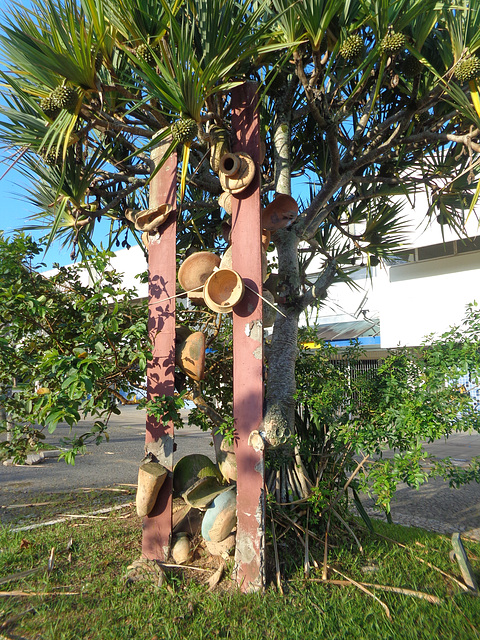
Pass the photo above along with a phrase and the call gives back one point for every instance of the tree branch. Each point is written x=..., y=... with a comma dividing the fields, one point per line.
x=320, y=287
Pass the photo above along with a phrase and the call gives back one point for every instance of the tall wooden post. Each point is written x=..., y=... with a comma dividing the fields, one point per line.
x=159, y=440
x=248, y=353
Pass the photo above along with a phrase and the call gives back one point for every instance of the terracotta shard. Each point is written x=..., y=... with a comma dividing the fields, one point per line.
x=151, y=219
x=190, y=355
x=279, y=213
x=223, y=290
x=236, y=171
x=151, y=476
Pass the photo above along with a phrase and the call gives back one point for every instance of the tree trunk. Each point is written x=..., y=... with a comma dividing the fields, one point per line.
x=279, y=419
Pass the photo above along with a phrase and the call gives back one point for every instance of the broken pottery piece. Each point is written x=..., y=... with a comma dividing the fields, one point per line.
x=225, y=201
x=221, y=548
x=151, y=476
x=279, y=213
x=194, y=272
x=227, y=463
x=236, y=171
x=190, y=355
x=223, y=290
x=150, y=219
x=221, y=517
x=181, y=549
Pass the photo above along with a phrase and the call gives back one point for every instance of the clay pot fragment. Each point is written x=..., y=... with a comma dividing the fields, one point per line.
x=219, y=145
x=151, y=476
x=225, y=201
x=223, y=290
x=221, y=548
x=190, y=355
x=279, y=213
x=194, y=272
x=221, y=517
x=181, y=548
x=150, y=219
x=236, y=171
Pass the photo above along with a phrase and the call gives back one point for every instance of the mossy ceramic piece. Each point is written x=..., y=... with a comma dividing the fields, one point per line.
x=203, y=492
x=221, y=517
x=223, y=290
x=151, y=476
x=190, y=355
x=281, y=212
x=236, y=171
x=190, y=469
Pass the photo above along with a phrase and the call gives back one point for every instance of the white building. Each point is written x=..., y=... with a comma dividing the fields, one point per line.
x=424, y=291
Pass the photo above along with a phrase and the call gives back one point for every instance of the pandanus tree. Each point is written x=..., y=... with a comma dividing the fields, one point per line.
x=363, y=104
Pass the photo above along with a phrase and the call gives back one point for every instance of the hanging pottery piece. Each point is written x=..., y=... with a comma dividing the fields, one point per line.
x=190, y=469
x=225, y=201
x=194, y=272
x=219, y=145
x=150, y=219
x=279, y=213
x=226, y=230
x=226, y=261
x=223, y=290
x=221, y=517
x=236, y=171
x=151, y=476
x=181, y=333
x=190, y=355
x=266, y=237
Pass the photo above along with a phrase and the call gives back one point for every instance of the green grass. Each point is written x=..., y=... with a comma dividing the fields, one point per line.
x=104, y=608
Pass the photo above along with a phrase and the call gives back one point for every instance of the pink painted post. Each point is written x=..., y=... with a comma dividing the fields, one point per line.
x=248, y=353
x=157, y=526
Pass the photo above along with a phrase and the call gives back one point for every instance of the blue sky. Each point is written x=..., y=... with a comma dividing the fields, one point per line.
x=14, y=205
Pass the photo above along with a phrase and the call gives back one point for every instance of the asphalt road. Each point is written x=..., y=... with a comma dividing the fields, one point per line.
x=434, y=506
x=112, y=462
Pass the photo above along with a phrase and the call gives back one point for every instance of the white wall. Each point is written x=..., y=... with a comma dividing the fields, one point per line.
x=427, y=297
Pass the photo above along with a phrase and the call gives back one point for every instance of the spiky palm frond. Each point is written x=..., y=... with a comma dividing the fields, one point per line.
x=50, y=39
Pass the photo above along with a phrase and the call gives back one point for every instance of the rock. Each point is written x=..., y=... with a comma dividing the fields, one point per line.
x=35, y=458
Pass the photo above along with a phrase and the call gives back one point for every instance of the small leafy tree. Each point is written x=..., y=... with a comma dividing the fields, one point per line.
x=68, y=350
x=367, y=428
